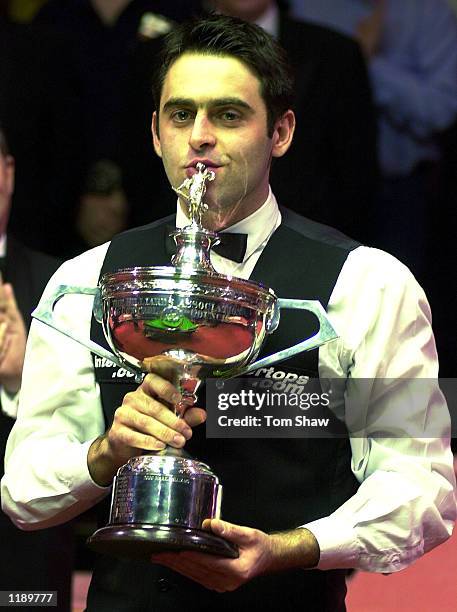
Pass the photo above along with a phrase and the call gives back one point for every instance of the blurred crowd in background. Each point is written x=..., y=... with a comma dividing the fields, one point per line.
x=375, y=152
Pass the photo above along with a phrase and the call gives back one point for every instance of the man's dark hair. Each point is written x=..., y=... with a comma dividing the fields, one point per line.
x=228, y=36
x=4, y=149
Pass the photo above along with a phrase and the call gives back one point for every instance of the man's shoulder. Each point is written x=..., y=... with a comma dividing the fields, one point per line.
x=83, y=269
x=361, y=261
x=379, y=276
x=317, y=232
x=35, y=262
x=28, y=271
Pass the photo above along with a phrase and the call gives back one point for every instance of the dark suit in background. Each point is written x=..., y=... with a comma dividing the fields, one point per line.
x=329, y=174
x=40, y=112
x=38, y=560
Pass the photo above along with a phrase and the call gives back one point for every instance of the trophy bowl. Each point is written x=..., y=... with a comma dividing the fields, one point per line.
x=202, y=324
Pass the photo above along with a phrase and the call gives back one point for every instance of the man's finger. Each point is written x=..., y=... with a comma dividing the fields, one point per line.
x=138, y=422
x=3, y=330
x=154, y=408
x=9, y=303
x=157, y=386
x=161, y=365
x=8, y=294
x=2, y=298
x=3, y=338
x=195, y=416
x=143, y=414
x=134, y=439
x=229, y=531
x=187, y=568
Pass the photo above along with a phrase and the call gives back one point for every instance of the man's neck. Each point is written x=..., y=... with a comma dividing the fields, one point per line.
x=218, y=220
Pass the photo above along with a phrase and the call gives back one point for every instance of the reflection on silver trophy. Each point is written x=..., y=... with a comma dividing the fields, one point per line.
x=192, y=323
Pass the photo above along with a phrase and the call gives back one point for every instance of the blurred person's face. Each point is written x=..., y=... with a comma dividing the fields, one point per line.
x=249, y=10
x=6, y=188
x=211, y=111
x=100, y=217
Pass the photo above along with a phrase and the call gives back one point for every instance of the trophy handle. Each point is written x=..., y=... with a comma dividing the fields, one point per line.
x=44, y=312
x=325, y=333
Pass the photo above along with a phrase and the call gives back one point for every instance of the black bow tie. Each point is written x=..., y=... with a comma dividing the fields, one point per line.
x=231, y=246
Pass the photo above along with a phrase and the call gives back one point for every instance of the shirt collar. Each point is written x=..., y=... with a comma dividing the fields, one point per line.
x=258, y=226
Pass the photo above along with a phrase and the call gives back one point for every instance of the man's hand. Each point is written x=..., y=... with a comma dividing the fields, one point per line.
x=369, y=30
x=259, y=554
x=144, y=422
x=13, y=337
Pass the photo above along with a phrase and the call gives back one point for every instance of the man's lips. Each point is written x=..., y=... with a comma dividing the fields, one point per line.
x=208, y=163
x=191, y=167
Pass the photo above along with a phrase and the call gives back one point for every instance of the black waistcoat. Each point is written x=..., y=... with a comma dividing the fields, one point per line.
x=268, y=484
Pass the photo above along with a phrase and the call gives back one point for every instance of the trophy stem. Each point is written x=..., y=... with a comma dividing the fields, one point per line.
x=185, y=379
x=193, y=246
x=187, y=401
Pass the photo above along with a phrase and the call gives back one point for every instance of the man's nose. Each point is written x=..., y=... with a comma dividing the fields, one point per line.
x=202, y=134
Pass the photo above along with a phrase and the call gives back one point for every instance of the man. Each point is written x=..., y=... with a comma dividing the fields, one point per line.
x=331, y=167
x=34, y=559
x=103, y=209
x=223, y=98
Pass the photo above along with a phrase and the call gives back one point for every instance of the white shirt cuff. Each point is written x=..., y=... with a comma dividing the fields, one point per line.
x=337, y=542
x=82, y=485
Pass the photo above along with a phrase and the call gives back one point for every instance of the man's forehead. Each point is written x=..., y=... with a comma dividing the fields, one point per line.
x=206, y=77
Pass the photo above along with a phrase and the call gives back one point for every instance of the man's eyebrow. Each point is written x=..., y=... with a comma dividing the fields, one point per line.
x=231, y=102
x=173, y=102
x=216, y=102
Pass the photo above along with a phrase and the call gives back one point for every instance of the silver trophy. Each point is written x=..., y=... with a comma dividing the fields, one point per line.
x=192, y=323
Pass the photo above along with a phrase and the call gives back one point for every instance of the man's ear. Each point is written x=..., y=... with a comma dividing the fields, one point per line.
x=283, y=133
x=155, y=134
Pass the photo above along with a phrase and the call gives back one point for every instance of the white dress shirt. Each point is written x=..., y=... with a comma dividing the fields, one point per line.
x=405, y=504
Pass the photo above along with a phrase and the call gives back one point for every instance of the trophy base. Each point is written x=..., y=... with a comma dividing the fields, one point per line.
x=141, y=541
